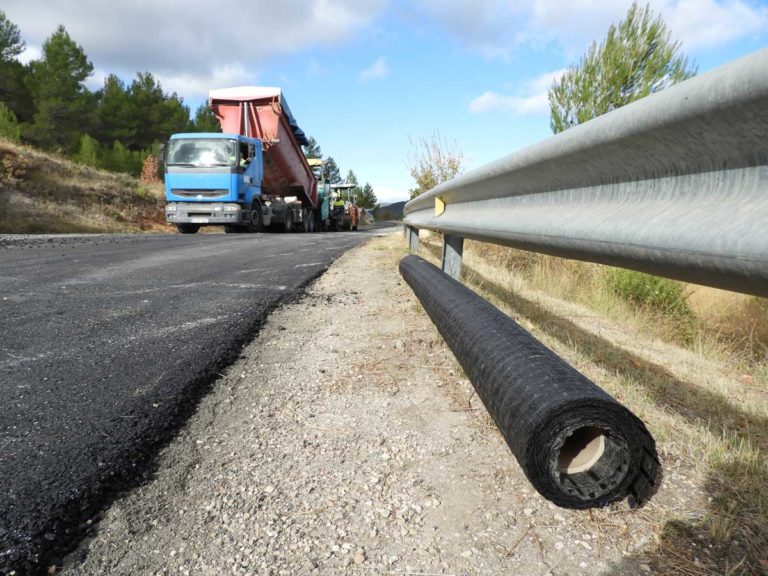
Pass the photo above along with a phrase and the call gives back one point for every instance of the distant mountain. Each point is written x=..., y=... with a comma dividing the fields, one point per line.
x=392, y=211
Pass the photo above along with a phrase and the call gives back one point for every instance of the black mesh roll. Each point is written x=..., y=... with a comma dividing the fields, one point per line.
x=578, y=446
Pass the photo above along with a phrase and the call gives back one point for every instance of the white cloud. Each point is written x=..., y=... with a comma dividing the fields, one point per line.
x=574, y=27
x=31, y=52
x=707, y=23
x=379, y=69
x=191, y=41
x=387, y=194
x=490, y=27
x=96, y=80
x=493, y=101
x=532, y=101
x=218, y=76
x=496, y=28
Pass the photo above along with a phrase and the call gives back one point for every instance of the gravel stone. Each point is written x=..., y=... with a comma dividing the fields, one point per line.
x=329, y=448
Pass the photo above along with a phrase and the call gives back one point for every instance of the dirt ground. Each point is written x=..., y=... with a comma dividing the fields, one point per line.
x=355, y=447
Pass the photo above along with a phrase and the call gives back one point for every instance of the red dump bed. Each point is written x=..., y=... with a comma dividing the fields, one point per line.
x=263, y=113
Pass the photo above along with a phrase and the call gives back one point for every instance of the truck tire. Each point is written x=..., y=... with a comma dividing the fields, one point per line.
x=312, y=220
x=288, y=224
x=188, y=228
x=306, y=217
x=257, y=219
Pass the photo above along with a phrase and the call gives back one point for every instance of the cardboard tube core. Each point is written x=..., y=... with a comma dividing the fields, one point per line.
x=581, y=450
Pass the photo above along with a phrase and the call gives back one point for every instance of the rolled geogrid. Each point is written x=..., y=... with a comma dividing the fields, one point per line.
x=578, y=446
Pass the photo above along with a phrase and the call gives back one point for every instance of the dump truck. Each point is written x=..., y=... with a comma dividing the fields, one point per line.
x=251, y=176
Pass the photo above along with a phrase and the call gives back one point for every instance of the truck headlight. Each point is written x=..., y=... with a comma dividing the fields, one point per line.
x=231, y=207
x=170, y=207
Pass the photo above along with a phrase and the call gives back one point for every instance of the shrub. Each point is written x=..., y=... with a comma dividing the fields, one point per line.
x=13, y=166
x=659, y=294
x=150, y=169
x=121, y=159
x=88, y=153
x=9, y=125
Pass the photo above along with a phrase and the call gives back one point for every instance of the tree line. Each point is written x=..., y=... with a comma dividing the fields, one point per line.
x=46, y=103
x=364, y=195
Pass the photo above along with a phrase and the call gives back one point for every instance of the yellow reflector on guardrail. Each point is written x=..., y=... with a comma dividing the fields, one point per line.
x=439, y=206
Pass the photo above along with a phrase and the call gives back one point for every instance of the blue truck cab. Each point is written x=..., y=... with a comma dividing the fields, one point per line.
x=213, y=179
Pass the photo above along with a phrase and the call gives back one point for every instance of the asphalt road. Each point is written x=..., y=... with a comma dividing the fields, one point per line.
x=106, y=345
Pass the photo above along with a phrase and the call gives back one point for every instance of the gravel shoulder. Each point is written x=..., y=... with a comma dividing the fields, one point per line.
x=356, y=447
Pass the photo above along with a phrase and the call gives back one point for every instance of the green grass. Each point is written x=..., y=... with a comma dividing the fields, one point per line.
x=658, y=294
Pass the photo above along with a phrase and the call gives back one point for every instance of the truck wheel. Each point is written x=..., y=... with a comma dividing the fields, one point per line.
x=306, y=215
x=188, y=228
x=311, y=218
x=288, y=220
x=257, y=219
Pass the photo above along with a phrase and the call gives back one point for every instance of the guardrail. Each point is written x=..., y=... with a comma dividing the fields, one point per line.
x=675, y=184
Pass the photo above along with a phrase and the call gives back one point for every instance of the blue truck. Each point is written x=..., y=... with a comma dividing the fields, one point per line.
x=250, y=177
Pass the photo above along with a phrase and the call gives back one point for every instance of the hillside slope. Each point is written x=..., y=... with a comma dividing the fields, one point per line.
x=42, y=193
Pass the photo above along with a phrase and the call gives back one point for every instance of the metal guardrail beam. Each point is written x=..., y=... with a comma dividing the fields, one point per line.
x=675, y=184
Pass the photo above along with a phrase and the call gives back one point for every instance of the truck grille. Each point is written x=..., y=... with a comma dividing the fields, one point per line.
x=203, y=193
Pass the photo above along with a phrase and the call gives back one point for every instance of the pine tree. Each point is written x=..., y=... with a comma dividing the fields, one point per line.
x=11, y=42
x=637, y=58
x=56, y=83
x=367, y=199
x=334, y=173
x=13, y=89
x=312, y=149
x=205, y=120
x=156, y=115
x=114, y=115
x=9, y=125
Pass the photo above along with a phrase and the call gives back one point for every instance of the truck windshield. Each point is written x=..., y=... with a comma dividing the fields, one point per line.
x=202, y=152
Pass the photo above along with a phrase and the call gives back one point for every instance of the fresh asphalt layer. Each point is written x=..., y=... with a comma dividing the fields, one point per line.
x=106, y=344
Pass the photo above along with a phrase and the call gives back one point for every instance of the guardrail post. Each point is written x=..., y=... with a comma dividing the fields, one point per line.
x=413, y=238
x=453, y=250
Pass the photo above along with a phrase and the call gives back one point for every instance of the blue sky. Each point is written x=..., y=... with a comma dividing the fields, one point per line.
x=365, y=77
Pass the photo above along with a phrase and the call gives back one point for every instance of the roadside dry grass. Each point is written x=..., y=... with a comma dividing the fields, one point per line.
x=700, y=386
x=721, y=325
x=47, y=194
